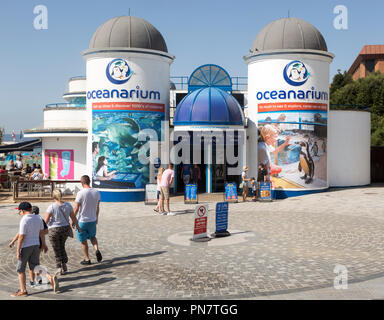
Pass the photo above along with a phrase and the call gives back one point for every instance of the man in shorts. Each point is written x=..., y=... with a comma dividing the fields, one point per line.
x=166, y=182
x=31, y=230
x=87, y=207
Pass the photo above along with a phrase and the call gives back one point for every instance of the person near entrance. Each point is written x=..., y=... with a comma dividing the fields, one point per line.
x=245, y=182
x=196, y=174
x=187, y=172
x=166, y=182
x=87, y=206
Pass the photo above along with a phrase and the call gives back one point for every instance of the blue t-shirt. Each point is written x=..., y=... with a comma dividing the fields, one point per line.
x=186, y=170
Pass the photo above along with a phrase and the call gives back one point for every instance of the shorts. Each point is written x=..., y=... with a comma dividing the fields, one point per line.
x=164, y=193
x=88, y=231
x=28, y=254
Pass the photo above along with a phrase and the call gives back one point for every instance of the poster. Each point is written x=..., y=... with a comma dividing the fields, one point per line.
x=190, y=193
x=231, y=192
x=221, y=217
x=116, y=146
x=201, y=222
x=151, y=193
x=59, y=164
x=265, y=191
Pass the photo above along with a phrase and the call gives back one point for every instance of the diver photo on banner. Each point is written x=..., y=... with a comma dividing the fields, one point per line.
x=292, y=125
x=190, y=193
x=230, y=192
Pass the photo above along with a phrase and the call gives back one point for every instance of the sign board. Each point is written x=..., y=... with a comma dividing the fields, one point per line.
x=201, y=222
x=151, y=193
x=265, y=191
x=190, y=193
x=221, y=216
x=230, y=192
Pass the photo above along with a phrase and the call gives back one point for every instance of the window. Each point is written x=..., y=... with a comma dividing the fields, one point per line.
x=369, y=66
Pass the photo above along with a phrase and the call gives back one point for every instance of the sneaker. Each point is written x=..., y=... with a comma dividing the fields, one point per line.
x=54, y=283
x=156, y=210
x=99, y=256
x=32, y=283
x=164, y=213
x=19, y=293
x=85, y=263
x=64, y=269
x=171, y=213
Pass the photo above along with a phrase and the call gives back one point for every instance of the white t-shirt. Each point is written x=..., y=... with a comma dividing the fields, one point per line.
x=103, y=171
x=88, y=200
x=30, y=226
x=245, y=176
x=59, y=215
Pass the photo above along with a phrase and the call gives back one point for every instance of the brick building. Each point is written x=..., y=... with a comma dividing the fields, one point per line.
x=370, y=59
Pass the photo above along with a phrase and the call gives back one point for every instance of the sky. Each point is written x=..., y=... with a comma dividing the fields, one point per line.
x=35, y=65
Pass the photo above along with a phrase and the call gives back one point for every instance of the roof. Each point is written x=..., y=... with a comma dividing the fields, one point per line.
x=289, y=33
x=208, y=106
x=128, y=32
x=21, y=146
x=368, y=52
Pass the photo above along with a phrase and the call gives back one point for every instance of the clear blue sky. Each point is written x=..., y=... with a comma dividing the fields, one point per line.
x=35, y=65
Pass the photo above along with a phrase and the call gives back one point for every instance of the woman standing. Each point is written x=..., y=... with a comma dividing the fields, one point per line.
x=245, y=182
x=158, y=178
x=59, y=229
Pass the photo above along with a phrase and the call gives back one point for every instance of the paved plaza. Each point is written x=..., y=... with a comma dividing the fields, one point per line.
x=287, y=249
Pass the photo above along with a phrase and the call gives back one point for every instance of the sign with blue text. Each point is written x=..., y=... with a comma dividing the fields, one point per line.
x=221, y=216
x=265, y=191
x=230, y=192
x=151, y=193
x=190, y=193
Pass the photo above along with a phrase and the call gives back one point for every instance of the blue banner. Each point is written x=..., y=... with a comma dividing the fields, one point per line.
x=221, y=216
x=231, y=191
x=265, y=191
x=190, y=193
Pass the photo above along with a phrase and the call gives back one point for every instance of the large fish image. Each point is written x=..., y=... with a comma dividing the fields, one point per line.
x=306, y=163
x=123, y=134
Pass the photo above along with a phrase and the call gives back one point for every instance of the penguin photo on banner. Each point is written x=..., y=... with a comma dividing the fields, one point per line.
x=306, y=163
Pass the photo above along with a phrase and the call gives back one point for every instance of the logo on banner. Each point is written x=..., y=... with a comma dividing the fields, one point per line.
x=296, y=73
x=118, y=71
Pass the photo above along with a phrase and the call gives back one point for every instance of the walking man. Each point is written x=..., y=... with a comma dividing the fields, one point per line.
x=166, y=182
x=31, y=230
x=87, y=207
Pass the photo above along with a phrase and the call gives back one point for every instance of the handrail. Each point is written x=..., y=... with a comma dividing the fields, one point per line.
x=64, y=104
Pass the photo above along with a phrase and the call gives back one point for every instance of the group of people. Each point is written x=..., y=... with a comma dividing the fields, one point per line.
x=252, y=184
x=59, y=221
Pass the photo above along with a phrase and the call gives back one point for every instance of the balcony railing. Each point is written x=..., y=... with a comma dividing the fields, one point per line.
x=238, y=83
x=64, y=105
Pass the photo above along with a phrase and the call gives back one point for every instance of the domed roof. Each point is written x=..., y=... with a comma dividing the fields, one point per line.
x=208, y=106
x=289, y=33
x=130, y=32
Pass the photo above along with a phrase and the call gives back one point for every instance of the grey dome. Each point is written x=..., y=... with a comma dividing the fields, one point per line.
x=128, y=32
x=289, y=33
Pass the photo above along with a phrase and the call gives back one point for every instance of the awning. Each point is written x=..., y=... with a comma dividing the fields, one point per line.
x=21, y=146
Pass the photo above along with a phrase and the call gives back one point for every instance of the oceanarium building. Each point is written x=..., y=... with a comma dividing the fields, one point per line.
x=127, y=117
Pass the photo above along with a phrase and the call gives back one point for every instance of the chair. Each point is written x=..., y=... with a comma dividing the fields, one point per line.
x=4, y=180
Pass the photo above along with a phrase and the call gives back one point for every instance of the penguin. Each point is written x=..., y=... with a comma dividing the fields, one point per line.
x=315, y=149
x=295, y=74
x=324, y=146
x=116, y=72
x=124, y=71
x=306, y=163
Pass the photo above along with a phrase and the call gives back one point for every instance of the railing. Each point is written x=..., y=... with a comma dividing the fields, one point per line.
x=42, y=189
x=238, y=83
x=67, y=105
x=348, y=107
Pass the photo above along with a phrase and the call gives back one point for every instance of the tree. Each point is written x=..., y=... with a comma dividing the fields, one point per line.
x=346, y=93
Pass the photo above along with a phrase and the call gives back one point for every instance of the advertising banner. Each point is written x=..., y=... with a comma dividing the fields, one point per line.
x=265, y=191
x=151, y=193
x=201, y=222
x=221, y=217
x=59, y=164
x=290, y=107
x=127, y=106
x=230, y=192
x=190, y=193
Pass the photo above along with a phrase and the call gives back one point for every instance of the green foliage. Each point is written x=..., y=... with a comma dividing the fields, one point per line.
x=365, y=92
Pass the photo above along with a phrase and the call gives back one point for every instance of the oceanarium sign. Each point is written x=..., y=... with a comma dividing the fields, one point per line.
x=296, y=74
x=119, y=72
